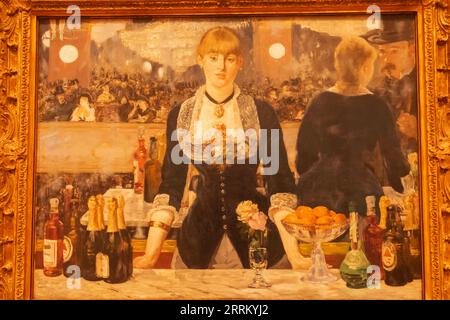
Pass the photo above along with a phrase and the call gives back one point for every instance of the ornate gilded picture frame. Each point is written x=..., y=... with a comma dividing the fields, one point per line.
x=31, y=32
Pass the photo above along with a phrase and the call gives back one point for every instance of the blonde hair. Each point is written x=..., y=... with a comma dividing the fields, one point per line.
x=221, y=40
x=349, y=57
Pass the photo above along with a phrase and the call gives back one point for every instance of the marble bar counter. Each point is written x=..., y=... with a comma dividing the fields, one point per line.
x=169, y=284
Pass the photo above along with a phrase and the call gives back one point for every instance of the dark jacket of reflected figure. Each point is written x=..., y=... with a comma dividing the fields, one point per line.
x=335, y=147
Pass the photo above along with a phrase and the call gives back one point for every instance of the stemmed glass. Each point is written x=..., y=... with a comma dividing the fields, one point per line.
x=316, y=234
x=258, y=261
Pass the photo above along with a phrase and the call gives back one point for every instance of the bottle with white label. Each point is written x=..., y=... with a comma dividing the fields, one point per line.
x=53, y=242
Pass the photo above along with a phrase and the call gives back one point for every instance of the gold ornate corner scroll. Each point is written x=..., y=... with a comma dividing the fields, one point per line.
x=14, y=142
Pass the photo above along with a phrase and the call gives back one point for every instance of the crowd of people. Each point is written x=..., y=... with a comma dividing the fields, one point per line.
x=114, y=96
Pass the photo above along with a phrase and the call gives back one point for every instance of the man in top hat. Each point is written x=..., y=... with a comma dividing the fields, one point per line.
x=73, y=91
x=61, y=110
x=141, y=111
x=397, y=51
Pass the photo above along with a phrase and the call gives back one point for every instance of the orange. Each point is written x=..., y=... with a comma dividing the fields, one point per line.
x=308, y=220
x=303, y=211
x=331, y=213
x=292, y=218
x=320, y=211
x=324, y=220
x=340, y=218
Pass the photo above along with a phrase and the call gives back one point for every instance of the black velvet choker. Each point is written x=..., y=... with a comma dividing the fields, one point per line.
x=217, y=102
x=219, y=111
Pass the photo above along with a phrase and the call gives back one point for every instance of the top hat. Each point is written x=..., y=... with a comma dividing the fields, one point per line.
x=395, y=28
x=59, y=90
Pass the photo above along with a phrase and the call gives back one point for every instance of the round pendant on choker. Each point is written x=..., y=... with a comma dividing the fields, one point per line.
x=219, y=109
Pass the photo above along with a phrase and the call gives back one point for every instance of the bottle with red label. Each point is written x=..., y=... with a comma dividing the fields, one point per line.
x=53, y=252
x=140, y=156
x=396, y=270
x=373, y=235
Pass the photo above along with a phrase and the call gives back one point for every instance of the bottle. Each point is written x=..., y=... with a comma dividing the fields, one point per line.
x=139, y=158
x=100, y=207
x=396, y=272
x=126, y=238
x=115, y=248
x=71, y=246
x=354, y=267
x=53, y=242
x=92, y=246
x=384, y=203
x=373, y=235
x=412, y=233
x=152, y=172
x=67, y=207
x=406, y=243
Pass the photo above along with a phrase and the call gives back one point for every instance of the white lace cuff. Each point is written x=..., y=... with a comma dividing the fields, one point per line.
x=282, y=202
x=161, y=211
x=288, y=200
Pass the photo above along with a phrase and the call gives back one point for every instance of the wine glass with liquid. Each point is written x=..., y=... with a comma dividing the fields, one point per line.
x=258, y=262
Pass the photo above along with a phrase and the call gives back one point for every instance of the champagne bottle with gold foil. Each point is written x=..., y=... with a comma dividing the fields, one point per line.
x=92, y=246
x=100, y=211
x=53, y=242
x=115, y=248
x=128, y=248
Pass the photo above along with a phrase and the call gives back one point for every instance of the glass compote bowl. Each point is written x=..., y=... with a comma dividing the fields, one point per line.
x=316, y=234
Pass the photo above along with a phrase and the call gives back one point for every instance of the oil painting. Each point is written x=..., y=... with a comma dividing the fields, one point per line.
x=268, y=155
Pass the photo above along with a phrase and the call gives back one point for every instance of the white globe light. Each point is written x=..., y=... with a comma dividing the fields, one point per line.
x=68, y=53
x=277, y=50
x=147, y=66
x=161, y=72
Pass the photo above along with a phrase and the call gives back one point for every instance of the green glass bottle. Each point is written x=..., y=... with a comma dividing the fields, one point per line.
x=354, y=267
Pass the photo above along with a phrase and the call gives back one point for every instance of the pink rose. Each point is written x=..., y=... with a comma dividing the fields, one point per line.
x=258, y=221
